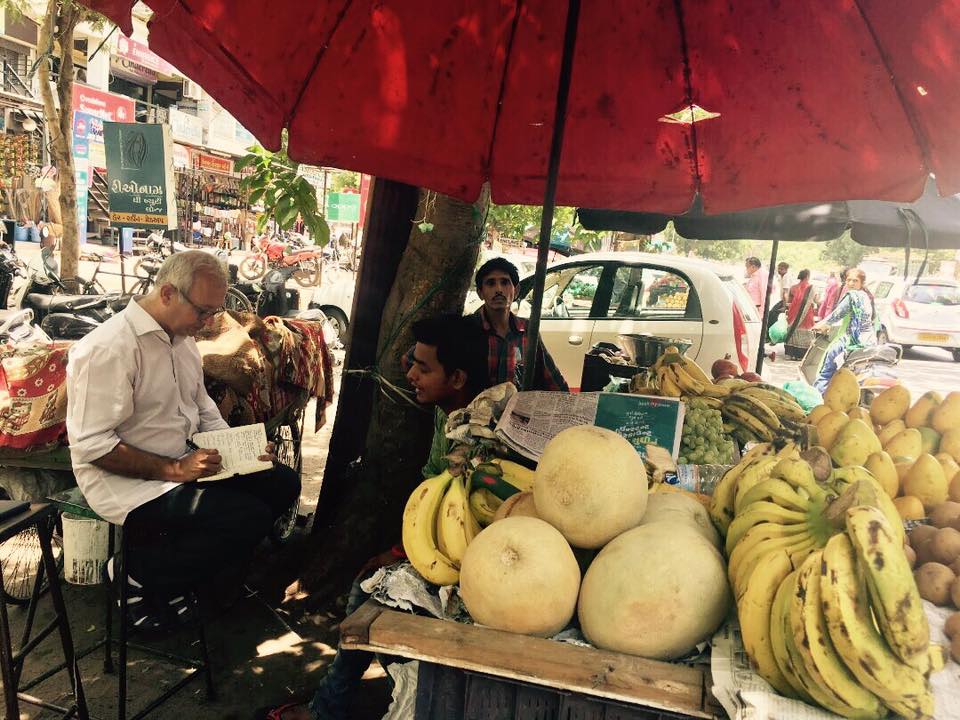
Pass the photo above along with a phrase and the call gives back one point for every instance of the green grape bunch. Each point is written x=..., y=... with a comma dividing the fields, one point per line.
x=703, y=440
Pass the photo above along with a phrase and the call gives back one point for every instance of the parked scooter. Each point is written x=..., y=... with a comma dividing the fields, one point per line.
x=873, y=366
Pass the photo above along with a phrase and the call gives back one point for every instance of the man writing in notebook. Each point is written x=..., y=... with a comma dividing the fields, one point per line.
x=135, y=398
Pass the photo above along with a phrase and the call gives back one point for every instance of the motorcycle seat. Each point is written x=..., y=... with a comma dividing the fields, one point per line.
x=300, y=251
x=887, y=354
x=67, y=303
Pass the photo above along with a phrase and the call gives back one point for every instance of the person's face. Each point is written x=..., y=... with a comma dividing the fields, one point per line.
x=782, y=268
x=854, y=282
x=188, y=313
x=429, y=379
x=751, y=269
x=497, y=290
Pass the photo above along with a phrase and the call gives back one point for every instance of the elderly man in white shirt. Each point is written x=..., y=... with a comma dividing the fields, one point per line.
x=135, y=396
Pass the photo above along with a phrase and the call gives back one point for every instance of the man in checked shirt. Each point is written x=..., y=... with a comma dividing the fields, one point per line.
x=497, y=282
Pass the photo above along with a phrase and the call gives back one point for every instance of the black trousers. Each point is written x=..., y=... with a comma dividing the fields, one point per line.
x=200, y=531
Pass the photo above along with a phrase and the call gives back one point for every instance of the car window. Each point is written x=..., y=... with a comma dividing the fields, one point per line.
x=933, y=294
x=569, y=292
x=625, y=299
x=883, y=289
x=663, y=292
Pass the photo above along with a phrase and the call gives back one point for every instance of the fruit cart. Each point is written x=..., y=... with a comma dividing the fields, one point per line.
x=473, y=672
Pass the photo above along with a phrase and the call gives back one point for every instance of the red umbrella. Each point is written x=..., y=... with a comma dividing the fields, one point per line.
x=653, y=103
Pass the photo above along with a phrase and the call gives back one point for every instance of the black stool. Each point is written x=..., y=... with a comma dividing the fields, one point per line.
x=72, y=501
x=41, y=517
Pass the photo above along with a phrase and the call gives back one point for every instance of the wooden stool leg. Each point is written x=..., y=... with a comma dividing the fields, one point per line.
x=45, y=530
x=122, y=650
x=6, y=662
x=108, y=626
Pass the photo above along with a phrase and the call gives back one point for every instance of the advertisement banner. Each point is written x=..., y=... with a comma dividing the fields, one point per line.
x=213, y=163
x=185, y=127
x=103, y=105
x=137, y=52
x=140, y=175
x=88, y=139
x=343, y=207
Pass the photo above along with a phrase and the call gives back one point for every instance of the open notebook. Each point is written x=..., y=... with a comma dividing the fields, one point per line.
x=239, y=447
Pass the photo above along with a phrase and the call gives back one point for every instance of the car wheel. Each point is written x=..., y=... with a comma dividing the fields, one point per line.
x=338, y=320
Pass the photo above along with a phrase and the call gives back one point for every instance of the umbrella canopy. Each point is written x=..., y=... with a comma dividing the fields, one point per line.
x=930, y=223
x=739, y=104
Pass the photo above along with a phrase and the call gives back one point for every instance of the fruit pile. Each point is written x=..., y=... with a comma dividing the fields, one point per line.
x=752, y=411
x=704, y=440
x=676, y=300
x=829, y=611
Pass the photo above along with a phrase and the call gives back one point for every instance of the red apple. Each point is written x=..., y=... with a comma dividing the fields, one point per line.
x=723, y=367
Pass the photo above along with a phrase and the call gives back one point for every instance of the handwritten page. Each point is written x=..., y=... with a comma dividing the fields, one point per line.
x=239, y=448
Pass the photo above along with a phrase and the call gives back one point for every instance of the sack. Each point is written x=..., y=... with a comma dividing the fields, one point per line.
x=778, y=331
x=807, y=396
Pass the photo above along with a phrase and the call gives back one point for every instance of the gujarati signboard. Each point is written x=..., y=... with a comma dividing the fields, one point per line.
x=140, y=175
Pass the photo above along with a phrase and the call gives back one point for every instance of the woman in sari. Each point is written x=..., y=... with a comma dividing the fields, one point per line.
x=795, y=301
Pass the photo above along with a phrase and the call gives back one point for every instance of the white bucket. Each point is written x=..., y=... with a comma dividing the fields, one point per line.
x=85, y=544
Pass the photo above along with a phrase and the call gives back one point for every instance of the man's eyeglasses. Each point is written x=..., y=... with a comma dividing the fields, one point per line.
x=202, y=313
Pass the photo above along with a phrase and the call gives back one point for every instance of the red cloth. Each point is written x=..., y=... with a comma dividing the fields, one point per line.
x=447, y=95
x=830, y=298
x=33, y=396
x=795, y=300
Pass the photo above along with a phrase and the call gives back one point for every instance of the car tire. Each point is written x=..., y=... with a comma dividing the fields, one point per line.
x=338, y=320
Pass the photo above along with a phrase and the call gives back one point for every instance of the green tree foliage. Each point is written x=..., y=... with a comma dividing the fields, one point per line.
x=523, y=221
x=273, y=181
x=345, y=180
x=719, y=250
x=843, y=252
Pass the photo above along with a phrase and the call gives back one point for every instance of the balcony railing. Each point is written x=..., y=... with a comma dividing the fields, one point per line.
x=12, y=81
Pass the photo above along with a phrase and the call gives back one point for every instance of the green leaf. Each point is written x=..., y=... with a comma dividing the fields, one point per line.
x=289, y=216
x=256, y=196
x=319, y=230
x=245, y=161
x=262, y=222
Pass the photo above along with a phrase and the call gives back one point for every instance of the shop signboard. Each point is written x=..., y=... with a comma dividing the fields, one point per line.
x=133, y=71
x=185, y=127
x=88, y=139
x=181, y=157
x=343, y=207
x=212, y=163
x=103, y=105
x=141, y=54
x=140, y=175
x=642, y=419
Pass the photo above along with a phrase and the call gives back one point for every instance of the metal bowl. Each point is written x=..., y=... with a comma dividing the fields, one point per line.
x=643, y=350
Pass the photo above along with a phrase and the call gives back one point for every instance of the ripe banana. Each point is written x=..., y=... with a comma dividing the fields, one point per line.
x=419, y=531
x=695, y=371
x=774, y=490
x=797, y=548
x=724, y=494
x=778, y=645
x=756, y=473
x=895, y=599
x=799, y=475
x=841, y=478
x=754, y=407
x=754, y=538
x=844, y=695
x=484, y=505
x=452, y=523
x=754, y=611
x=748, y=421
x=516, y=474
x=864, y=651
x=761, y=512
x=684, y=380
x=668, y=386
x=781, y=407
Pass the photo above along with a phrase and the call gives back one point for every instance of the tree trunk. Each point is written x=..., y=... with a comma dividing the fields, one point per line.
x=60, y=21
x=434, y=274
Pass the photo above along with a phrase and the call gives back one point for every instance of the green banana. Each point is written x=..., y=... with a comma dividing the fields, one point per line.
x=484, y=505
x=853, y=633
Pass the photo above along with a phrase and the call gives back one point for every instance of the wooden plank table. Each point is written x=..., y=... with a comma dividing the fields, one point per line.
x=679, y=689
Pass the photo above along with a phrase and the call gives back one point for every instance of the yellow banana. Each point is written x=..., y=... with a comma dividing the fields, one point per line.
x=774, y=490
x=452, y=522
x=712, y=390
x=419, y=531
x=754, y=610
x=516, y=474
x=778, y=644
x=755, y=408
x=756, y=473
x=799, y=475
x=760, y=512
x=753, y=538
x=844, y=694
x=684, y=380
x=695, y=371
x=864, y=651
x=738, y=414
x=797, y=547
x=843, y=477
x=724, y=494
x=484, y=505
x=896, y=601
x=668, y=386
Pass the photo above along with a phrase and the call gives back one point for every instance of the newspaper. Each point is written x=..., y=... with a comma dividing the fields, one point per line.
x=747, y=696
x=531, y=419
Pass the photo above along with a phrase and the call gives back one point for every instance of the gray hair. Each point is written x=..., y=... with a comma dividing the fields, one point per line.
x=181, y=268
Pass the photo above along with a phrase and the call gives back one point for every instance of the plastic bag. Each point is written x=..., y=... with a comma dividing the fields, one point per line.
x=807, y=396
x=778, y=331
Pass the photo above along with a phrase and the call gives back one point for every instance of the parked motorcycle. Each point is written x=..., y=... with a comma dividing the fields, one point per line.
x=873, y=366
x=272, y=253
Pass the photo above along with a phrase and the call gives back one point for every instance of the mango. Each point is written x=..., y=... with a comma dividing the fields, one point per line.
x=890, y=405
x=954, y=491
x=910, y=508
x=903, y=465
x=950, y=466
x=843, y=391
x=817, y=414
x=926, y=481
x=930, y=440
x=861, y=413
x=889, y=430
x=947, y=414
x=881, y=466
x=950, y=443
x=829, y=427
x=920, y=414
x=906, y=443
x=854, y=443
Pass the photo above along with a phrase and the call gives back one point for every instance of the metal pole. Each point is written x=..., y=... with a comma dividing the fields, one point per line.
x=766, y=305
x=550, y=193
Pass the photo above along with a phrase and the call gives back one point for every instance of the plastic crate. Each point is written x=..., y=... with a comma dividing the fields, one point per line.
x=445, y=693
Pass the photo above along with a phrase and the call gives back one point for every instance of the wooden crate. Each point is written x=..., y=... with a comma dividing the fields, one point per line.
x=586, y=672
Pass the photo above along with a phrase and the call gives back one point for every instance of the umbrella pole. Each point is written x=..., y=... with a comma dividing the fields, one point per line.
x=766, y=305
x=550, y=194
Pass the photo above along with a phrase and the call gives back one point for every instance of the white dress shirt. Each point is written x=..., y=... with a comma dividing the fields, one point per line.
x=126, y=381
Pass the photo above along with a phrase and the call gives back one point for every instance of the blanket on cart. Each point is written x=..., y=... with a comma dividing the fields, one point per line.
x=33, y=397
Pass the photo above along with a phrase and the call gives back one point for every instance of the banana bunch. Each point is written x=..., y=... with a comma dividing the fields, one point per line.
x=829, y=612
x=678, y=375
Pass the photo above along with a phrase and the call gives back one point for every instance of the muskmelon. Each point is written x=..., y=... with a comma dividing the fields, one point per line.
x=680, y=507
x=591, y=485
x=655, y=591
x=520, y=574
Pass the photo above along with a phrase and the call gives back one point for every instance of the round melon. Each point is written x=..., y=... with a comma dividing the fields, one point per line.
x=519, y=574
x=680, y=507
x=655, y=591
x=518, y=504
x=591, y=485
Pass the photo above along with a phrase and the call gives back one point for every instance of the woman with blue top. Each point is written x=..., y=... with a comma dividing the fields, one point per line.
x=855, y=308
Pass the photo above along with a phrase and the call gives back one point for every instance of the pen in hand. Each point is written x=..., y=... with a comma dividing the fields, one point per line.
x=192, y=445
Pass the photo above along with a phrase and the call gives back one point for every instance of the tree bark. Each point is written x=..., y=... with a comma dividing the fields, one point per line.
x=433, y=277
x=56, y=36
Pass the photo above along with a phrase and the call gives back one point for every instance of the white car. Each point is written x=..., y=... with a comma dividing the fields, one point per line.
x=595, y=297
x=919, y=313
